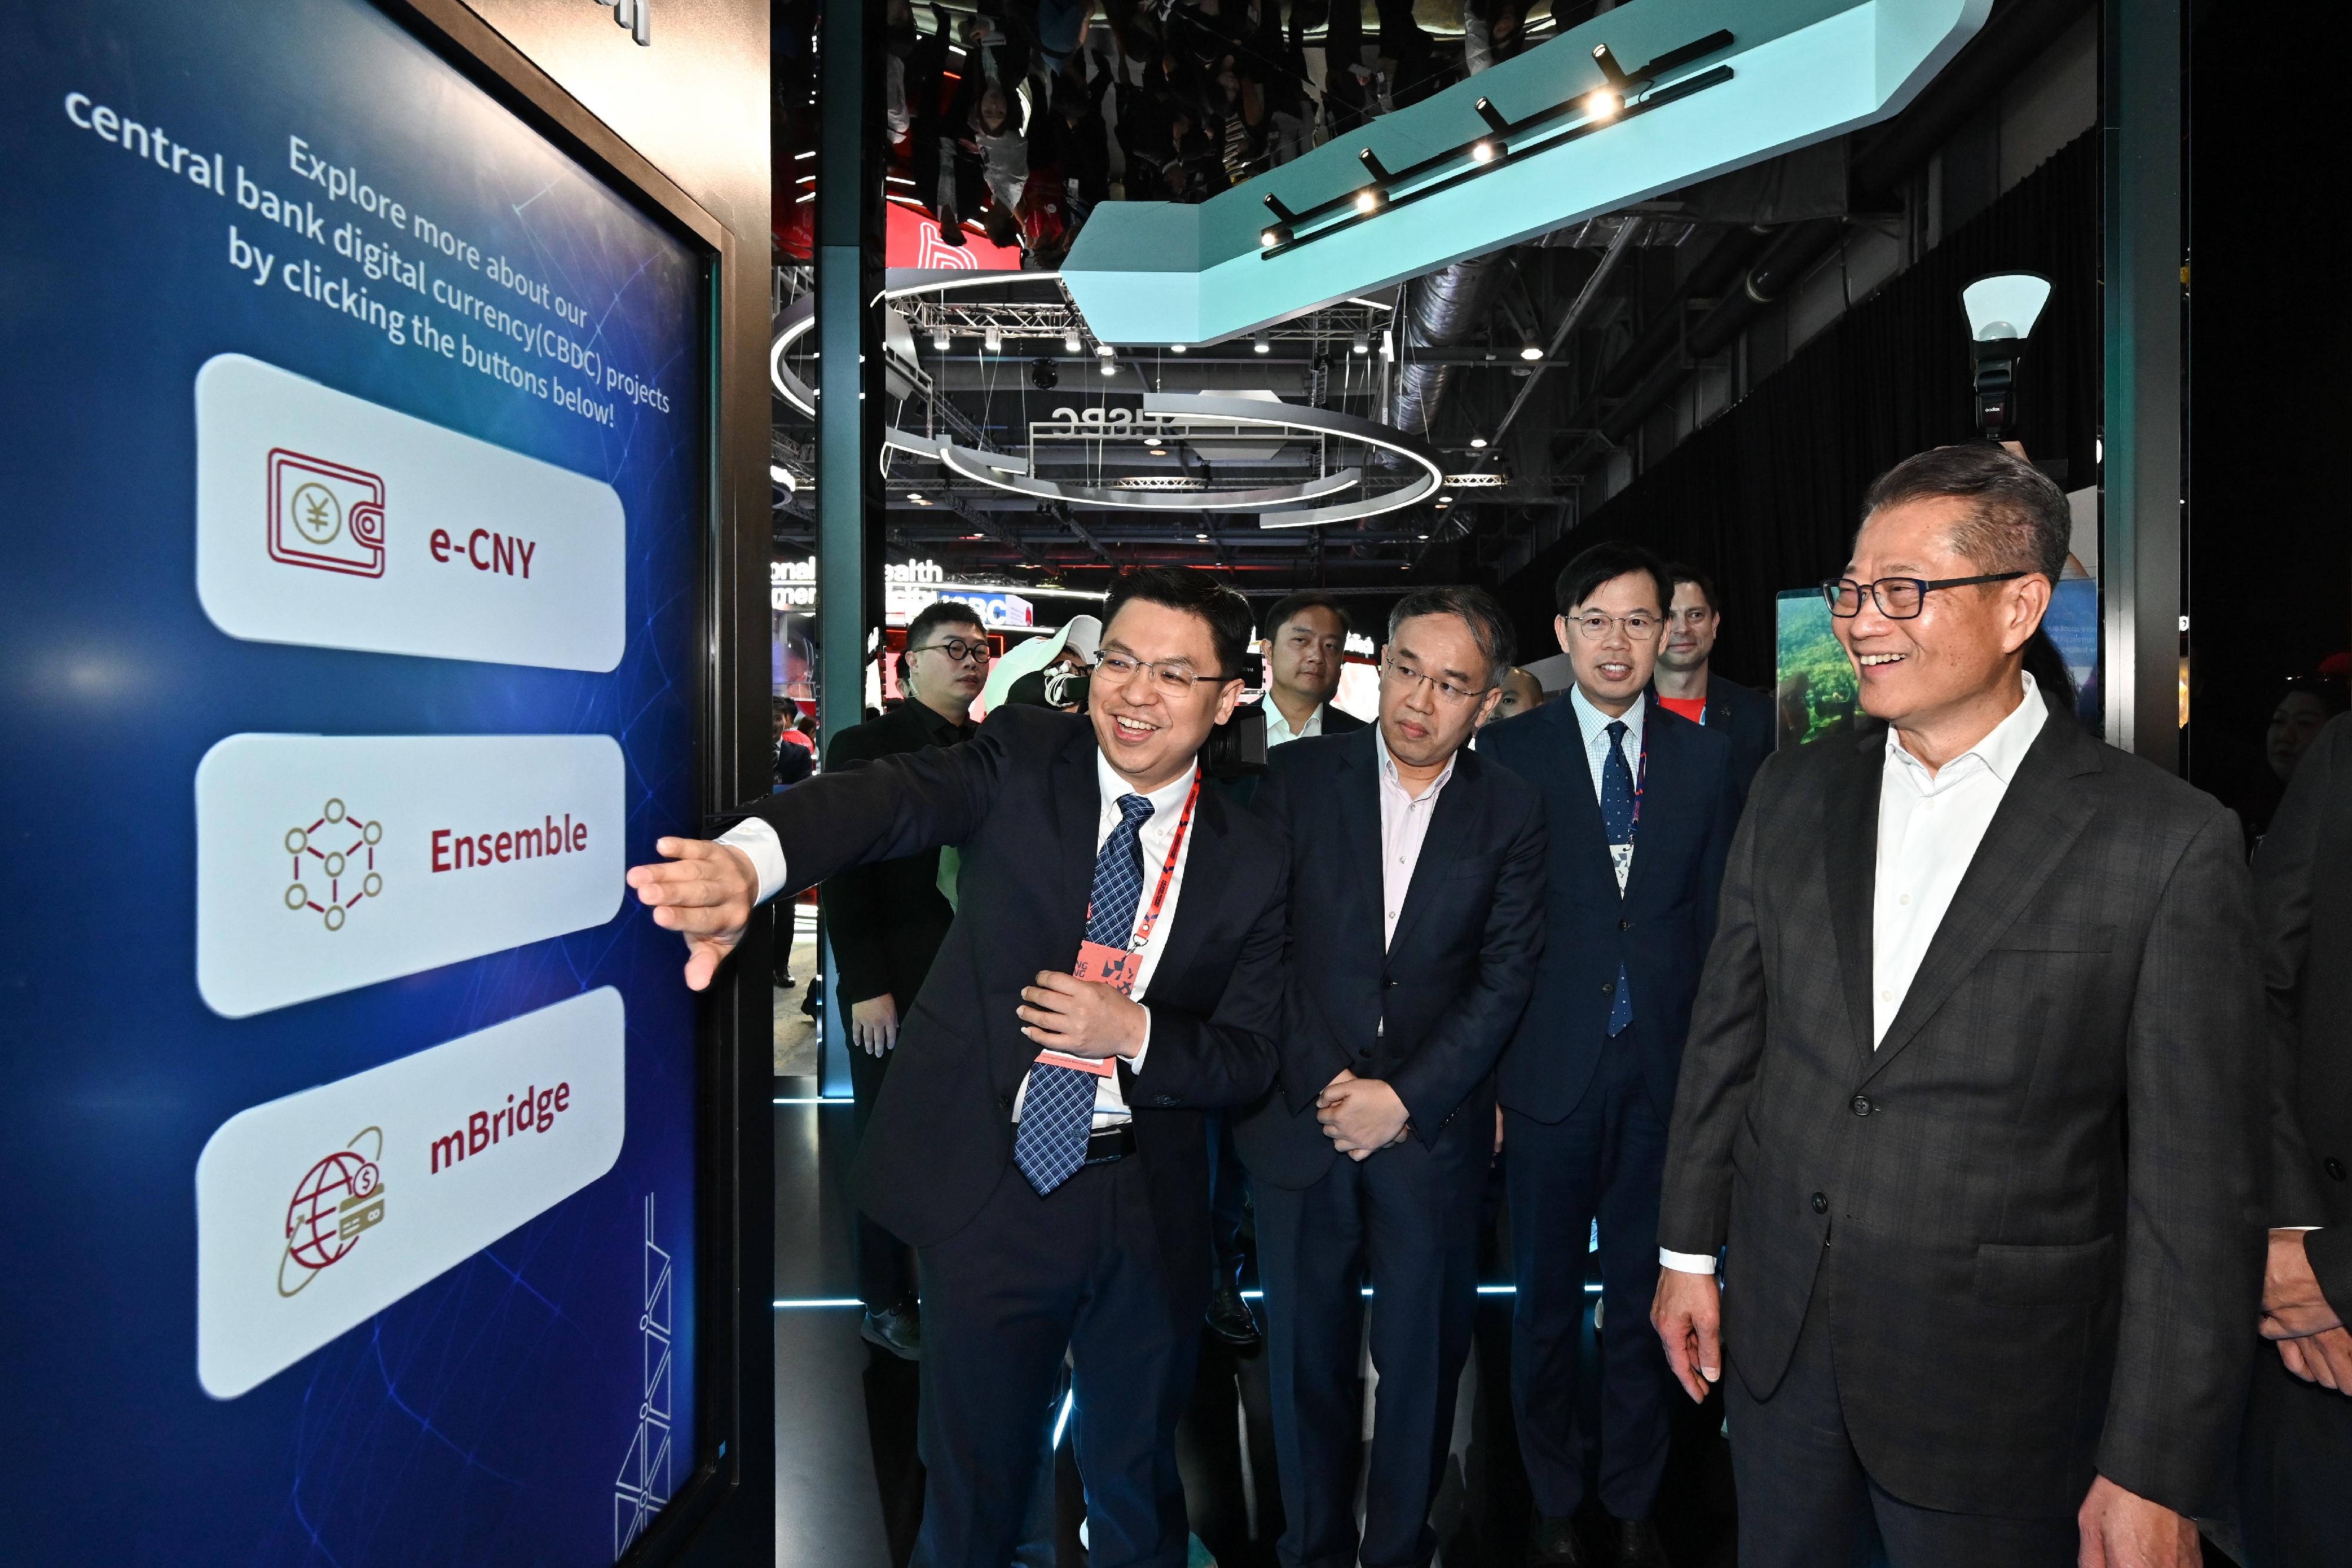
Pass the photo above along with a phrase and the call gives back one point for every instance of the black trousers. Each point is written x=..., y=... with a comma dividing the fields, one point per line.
x=884, y=1265
x=1408, y=1217
x=1228, y=1201
x=1080, y=1270
x=1805, y=1501
x=1604, y=1160
x=2295, y=1469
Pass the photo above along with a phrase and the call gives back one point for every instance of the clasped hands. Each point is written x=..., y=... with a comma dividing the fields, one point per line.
x=1362, y=1116
x=2311, y=1339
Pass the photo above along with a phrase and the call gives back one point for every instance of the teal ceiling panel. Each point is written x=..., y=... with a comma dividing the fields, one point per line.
x=1790, y=72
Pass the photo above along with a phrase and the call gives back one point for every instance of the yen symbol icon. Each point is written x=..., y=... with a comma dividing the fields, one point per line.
x=316, y=513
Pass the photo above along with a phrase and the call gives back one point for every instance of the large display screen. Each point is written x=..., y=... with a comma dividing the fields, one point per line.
x=356, y=495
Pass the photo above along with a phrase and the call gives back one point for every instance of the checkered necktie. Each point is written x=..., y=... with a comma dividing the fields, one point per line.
x=1617, y=817
x=1059, y=1111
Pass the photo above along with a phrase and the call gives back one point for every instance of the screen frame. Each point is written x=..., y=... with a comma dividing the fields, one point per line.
x=733, y=1375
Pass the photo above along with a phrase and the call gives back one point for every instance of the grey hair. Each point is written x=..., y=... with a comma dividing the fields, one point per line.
x=2019, y=521
x=1476, y=609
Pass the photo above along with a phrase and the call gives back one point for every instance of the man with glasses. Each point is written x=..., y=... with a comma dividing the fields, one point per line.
x=1416, y=918
x=1114, y=968
x=1686, y=685
x=1973, y=1094
x=1642, y=805
x=885, y=922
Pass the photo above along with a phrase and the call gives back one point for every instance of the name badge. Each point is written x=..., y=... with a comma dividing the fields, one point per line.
x=1107, y=966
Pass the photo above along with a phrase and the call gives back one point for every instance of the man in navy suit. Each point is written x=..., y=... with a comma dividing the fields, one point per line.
x=1641, y=805
x=1687, y=684
x=1416, y=917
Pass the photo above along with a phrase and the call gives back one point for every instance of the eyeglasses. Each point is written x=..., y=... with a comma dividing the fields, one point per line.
x=1404, y=674
x=1898, y=598
x=1170, y=677
x=1640, y=627
x=958, y=650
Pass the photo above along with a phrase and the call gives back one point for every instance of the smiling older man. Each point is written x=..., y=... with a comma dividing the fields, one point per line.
x=1973, y=1092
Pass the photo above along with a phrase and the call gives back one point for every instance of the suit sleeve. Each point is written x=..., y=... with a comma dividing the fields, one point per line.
x=2283, y=869
x=1719, y=1060
x=1225, y=1058
x=893, y=806
x=1450, y=1063
x=2193, y=1222
x=853, y=899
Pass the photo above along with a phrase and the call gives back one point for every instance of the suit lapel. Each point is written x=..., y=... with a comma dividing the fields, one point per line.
x=2040, y=815
x=1360, y=816
x=1448, y=836
x=1077, y=816
x=1660, y=779
x=1572, y=788
x=1204, y=890
x=1850, y=860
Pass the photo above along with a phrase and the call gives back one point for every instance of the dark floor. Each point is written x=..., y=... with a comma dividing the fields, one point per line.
x=850, y=1490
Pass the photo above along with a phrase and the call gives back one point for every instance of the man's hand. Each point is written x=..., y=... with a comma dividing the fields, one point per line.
x=1361, y=1116
x=704, y=892
x=873, y=1023
x=2324, y=1358
x=1688, y=1312
x=2124, y=1529
x=2293, y=1306
x=1081, y=1017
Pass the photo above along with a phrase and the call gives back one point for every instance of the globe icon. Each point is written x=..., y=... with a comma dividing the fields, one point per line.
x=314, y=1231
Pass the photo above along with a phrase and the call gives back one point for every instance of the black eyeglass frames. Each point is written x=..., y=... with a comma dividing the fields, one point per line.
x=1898, y=598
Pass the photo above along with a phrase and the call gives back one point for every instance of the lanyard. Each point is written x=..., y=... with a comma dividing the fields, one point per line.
x=1167, y=871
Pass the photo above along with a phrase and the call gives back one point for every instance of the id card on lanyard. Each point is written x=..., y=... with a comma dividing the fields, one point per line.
x=1621, y=856
x=1119, y=967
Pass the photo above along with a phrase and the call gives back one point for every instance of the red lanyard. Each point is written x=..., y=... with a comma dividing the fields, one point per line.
x=1641, y=776
x=1167, y=871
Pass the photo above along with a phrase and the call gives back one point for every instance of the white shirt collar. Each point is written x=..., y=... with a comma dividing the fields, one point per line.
x=2001, y=752
x=1168, y=797
x=1277, y=724
x=1389, y=772
x=1595, y=724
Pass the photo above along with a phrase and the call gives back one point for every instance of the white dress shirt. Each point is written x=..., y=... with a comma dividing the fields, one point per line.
x=1277, y=726
x=1595, y=726
x=1929, y=828
x=1404, y=825
x=766, y=851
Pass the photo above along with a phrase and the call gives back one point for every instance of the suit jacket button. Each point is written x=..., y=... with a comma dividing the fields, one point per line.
x=1625, y=925
x=1388, y=985
x=1165, y=1099
x=1607, y=986
x=2335, y=1167
x=1365, y=1050
x=1821, y=1203
x=1862, y=1104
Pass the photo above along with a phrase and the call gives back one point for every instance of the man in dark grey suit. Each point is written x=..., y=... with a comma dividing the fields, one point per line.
x=1974, y=1092
x=2296, y=1469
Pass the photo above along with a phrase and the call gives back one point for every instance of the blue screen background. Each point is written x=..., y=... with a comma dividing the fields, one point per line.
x=486, y=1417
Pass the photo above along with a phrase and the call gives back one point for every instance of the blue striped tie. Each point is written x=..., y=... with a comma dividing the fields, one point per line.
x=1058, y=1112
x=1617, y=817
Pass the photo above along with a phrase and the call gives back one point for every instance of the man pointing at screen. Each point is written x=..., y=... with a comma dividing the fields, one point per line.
x=1113, y=969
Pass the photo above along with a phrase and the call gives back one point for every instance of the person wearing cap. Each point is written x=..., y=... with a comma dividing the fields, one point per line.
x=1073, y=645
x=885, y=922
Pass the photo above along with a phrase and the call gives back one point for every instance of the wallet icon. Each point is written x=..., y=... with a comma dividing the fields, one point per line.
x=324, y=515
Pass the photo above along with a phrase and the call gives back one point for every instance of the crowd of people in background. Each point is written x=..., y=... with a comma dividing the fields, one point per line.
x=1021, y=118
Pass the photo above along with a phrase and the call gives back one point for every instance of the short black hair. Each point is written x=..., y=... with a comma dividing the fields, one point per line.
x=1677, y=574
x=2019, y=521
x=1291, y=605
x=1489, y=627
x=1603, y=563
x=1196, y=593
x=940, y=612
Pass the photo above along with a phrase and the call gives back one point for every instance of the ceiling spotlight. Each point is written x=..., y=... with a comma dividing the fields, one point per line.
x=1482, y=152
x=939, y=340
x=1367, y=199
x=1444, y=500
x=1259, y=344
x=1477, y=443
x=1042, y=375
x=1175, y=348
x=1202, y=537
x=1602, y=104
x=916, y=498
x=1421, y=535
x=1110, y=367
x=1493, y=117
x=1271, y=236
x=993, y=341
x=1531, y=350
x=1362, y=343
x=2001, y=310
x=1156, y=450
x=1105, y=350
x=1071, y=343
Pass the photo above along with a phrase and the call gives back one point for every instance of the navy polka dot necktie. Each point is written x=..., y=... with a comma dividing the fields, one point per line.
x=1617, y=817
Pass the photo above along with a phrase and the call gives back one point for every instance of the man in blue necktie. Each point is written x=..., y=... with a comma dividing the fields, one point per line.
x=1642, y=805
x=1113, y=969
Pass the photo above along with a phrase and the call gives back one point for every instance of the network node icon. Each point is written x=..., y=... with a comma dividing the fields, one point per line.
x=339, y=847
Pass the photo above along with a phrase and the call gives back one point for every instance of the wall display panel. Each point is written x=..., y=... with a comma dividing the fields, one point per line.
x=357, y=505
